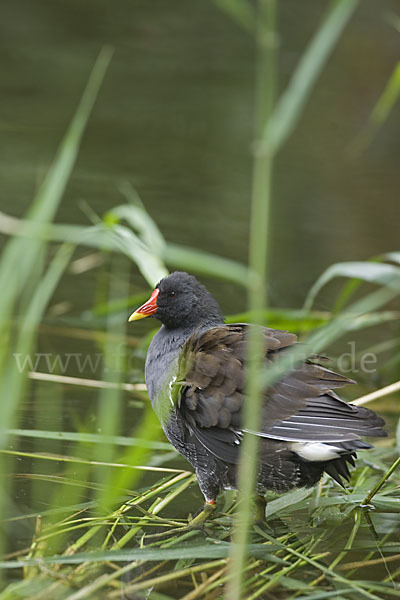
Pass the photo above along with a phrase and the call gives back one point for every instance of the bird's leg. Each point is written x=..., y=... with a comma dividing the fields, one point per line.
x=203, y=515
x=260, y=504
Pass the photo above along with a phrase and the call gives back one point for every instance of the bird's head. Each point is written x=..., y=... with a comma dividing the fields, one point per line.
x=180, y=301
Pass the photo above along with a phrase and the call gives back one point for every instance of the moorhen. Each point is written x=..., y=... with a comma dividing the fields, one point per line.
x=195, y=380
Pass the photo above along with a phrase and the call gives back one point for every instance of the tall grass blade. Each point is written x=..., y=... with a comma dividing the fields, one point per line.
x=23, y=251
x=322, y=337
x=22, y=254
x=350, y=288
x=150, y=259
x=257, y=298
x=139, y=219
x=239, y=11
x=186, y=551
x=91, y=438
x=372, y=272
x=380, y=112
x=191, y=259
x=13, y=378
x=392, y=256
x=13, y=381
x=290, y=106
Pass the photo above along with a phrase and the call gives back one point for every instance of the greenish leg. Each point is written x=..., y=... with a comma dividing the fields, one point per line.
x=199, y=519
x=260, y=505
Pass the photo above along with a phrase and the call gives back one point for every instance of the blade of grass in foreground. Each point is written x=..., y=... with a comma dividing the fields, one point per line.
x=109, y=403
x=372, y=272
x=13, y=380
x=257, y=299
x=145, y=554
x=289, y=107
x=23, y=253
x=379, y=114
x=240, y=11
x=322, y=337
x=113, y=236
x=91, y=438
x=273, y=127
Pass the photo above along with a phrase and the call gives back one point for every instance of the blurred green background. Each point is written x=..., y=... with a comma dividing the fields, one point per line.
x=175, y=117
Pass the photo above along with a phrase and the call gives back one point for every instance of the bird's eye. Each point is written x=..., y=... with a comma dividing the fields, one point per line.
x=172, y=294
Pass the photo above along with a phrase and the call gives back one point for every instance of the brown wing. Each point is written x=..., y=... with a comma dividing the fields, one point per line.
x=300, y=407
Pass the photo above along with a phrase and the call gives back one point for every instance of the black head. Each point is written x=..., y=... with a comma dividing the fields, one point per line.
x=180, y=301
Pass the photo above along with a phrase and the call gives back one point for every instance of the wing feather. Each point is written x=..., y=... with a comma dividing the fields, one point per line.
x=302, y=406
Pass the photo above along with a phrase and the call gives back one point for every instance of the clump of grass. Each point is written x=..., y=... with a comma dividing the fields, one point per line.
x=123, y=551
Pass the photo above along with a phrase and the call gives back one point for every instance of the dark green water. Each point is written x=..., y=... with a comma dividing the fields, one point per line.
x=175, y=117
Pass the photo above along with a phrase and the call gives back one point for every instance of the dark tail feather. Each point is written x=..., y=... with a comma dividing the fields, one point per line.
x=338, y=468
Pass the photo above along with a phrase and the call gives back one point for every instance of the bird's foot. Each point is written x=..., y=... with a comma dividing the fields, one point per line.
x=194, y=523
x=203, y=515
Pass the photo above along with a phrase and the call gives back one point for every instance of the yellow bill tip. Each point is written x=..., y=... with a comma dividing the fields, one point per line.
x=135, y=316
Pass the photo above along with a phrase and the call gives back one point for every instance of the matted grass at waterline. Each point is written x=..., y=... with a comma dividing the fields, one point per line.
x=315, y=543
